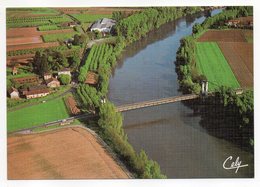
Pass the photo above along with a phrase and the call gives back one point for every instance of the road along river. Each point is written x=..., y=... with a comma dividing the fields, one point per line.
x=170, y=134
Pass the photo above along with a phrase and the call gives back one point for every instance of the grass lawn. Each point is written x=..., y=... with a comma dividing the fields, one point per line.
x=37, y=114
x=211, y=62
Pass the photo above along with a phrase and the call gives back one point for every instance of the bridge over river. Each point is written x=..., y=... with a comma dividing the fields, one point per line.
x=156, y=102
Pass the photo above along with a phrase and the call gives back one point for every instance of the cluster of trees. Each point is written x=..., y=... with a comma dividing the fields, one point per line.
x=65, y=79
x=110, y=123
x=89, y=97
x=189, y=78
x=49, y=60
x=100, y=59
x=138, y=25
x=241, y=107
x=218, y=20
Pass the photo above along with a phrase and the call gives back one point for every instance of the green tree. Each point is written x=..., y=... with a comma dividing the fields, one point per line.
x=65, y=79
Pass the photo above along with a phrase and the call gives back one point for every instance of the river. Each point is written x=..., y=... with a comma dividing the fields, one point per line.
x=170, y=134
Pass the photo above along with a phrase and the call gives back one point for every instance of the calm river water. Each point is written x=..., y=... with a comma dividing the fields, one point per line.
x=170, y=134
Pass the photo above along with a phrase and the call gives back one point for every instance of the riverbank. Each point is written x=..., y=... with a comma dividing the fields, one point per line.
x=110, y=122
x=224, y=107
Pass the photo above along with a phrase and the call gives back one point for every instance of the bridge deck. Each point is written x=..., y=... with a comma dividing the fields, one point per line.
x=156, y=102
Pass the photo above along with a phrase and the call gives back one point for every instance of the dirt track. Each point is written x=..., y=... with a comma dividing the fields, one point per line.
x=69, y=153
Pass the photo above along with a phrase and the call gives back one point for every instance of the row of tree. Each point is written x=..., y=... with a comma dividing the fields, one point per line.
x=138, y=25
x=112, y=132
x=218, y=20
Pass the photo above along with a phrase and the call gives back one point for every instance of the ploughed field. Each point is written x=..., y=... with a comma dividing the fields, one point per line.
x=67, y=153
x=218, y=51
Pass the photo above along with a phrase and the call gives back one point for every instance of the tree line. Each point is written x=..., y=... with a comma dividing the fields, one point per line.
x=138, y=25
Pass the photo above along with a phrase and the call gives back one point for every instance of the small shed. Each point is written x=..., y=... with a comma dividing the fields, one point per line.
x=14, y=93
x=65, y=71
x=47, y=76
x=52, y=83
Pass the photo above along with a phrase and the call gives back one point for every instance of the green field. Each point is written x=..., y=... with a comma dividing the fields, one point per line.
x=37, y=114
x=211, y=62
x=88, y=18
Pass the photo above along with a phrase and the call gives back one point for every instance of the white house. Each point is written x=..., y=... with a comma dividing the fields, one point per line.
x=103, y=25
x=65, y=71
x=14, y=94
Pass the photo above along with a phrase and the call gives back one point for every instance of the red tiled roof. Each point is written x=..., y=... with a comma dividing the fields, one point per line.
x=33, y=92
x=51, y=79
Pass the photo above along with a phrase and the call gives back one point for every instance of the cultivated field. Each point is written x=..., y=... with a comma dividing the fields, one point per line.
x=223, y=36
x=237, y=48
x=97, y=10
x=37, y=114
x=240, y=58
x=32, y=46
x=212, y=63
x=24, y=40
x=68, y=153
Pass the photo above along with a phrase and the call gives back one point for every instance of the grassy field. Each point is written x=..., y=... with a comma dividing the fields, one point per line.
x=211, y=62
x=37, y=114
x=58, y=36
x=88, y=18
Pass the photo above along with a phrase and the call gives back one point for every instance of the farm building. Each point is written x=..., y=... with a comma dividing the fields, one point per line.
x=242, y=22
x=233, y=22
x=47, y=76
x=29, y=79
x=69, y=24
x=65, y=71
x=92, y=78
x=13, y=92
x=52, y=83
x=35, y=92
x=103, y=25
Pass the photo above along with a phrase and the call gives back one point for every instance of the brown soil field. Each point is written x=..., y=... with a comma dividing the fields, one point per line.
x=97, y=10
x=22, y=59
x=31, y=31
x=240, y=58
x=21, y=32
x=223, y=36
x=67, y=153
x=32, y=46
x=24, y=40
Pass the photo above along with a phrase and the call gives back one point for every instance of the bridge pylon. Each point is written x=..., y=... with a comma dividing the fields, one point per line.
x=204, y=88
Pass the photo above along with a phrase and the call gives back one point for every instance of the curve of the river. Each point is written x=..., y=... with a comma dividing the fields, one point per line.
x=170, y=134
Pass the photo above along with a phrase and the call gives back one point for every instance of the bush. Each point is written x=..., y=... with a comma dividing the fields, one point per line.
x=65, y=79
